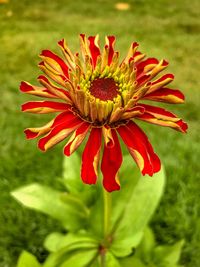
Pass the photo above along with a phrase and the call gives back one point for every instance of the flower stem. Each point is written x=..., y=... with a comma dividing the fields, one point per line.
x=107, y=213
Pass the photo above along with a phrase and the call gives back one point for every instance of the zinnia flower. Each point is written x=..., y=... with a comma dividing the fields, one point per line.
x=100, y=97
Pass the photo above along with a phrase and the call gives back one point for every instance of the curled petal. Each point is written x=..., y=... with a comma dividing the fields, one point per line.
x=35, y=132
x=160, y=116
x=166, y=95
x=55, y=62
x=161, y=82
x=108, y=137
x=43, y=107
x=131, y=52
x=133, y=112
x=59, y=133
x=84, y=46
x=56, y=77
x=111, y=162
x=110, y=41
x=27, y=88
x=90, y=157
x=94, y=48
x=76, y=139
x=58, y=92
x=67, y=53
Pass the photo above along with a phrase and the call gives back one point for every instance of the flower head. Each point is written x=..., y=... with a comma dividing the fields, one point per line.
x=98, y=96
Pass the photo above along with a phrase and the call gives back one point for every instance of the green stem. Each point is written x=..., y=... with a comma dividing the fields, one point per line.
x=107, y=213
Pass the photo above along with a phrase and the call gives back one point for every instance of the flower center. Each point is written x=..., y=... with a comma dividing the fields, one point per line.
x=104, y=88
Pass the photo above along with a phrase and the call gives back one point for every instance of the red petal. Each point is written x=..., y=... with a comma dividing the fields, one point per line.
x=94, y=49
x=76, y=139
x=139, y=148
x=166, y=95
x=60, y=132
x=160, y=116
x=90, y=157
x=61, y=63
x=155, y=161
x=111, y=162
x=111, y=41
x=44, y=107
x=59, y=92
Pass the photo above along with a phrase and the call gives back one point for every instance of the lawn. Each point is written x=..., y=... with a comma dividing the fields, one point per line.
x=164, y=28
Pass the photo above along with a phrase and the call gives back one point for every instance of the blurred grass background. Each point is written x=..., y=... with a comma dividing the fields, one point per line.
x=164, y=28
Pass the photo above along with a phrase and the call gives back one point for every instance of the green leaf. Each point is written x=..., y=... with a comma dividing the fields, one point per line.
x=49, y=201
x=168, y=255
x=56, y=241
x=129, y=176
x=136, y=214
x=71, y=173
x=80, y=259
x=146, y=247
x=26, y=259
x=131, y=261
x=111, y=261
x=72, y=180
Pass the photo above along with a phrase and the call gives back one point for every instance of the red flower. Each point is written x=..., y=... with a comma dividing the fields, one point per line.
x=101, y=98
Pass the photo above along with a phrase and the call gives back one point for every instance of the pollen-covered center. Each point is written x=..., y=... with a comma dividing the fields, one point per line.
x=104, y=88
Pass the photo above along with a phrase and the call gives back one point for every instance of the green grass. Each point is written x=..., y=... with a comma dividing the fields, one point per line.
x=164, y=28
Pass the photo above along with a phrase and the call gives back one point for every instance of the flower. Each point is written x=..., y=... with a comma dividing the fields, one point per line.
x=100, y=97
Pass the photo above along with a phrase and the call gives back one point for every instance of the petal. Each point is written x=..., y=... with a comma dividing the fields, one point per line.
x=111, y=162
x=56, y=77
x=131, y=52
x=55, y=62
x=90, y=157
x=94, y=48
x=133, y=112
x=161, y=82
x=67, y=53
x=110, y=41
x=166, y=95
x=76, y=139
x=43, y=107
x=59, y=132
x=27, y=88
x=146, y=65
x=58, y=92
x=35, y=132
x=155, y=161
x=138, y=148
x=160, y=116
x=84, y=46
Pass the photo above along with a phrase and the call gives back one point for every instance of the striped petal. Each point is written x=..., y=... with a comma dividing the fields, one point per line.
x=94, y=48
x=160, y=116
x=161, y=82
x=138, y=147
x=166, y=95
x=35, y=132
x=90, y=157
x=58, y=92
x=27, y=88
x=110, y=41
x=55, y=62
x=76, y=139
x=59, y=132
x=111, y=162
x=155, y=161
x=133, y=112
x=67, y=53
x=43, y=107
